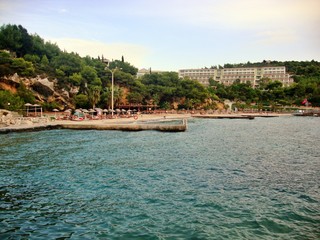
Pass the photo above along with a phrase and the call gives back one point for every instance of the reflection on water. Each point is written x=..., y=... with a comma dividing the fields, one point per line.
x=235, y=179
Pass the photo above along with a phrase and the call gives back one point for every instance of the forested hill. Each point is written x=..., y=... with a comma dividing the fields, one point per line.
x=37, y=71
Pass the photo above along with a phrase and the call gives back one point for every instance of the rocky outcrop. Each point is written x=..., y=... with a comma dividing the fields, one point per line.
x=7, y=117
x=44, y=90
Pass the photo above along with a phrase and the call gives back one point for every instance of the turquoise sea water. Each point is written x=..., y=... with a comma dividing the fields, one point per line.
x=222, y=179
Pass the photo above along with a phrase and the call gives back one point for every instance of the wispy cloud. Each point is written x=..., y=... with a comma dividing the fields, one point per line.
x=168, y=33
x=276, y=37
x=228, y=13
x=63, y=10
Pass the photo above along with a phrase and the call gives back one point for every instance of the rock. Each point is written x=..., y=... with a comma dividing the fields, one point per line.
x=46, y=82
x=43, y=89
x=64, y=93
x=27, y=122
x=74, y=90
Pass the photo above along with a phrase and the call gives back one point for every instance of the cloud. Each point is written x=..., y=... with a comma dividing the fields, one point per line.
x=63, y=10
x=135, y=54
x=241, y=14
x=275, y=37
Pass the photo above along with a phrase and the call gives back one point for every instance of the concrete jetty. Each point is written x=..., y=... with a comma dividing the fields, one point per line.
x=179, y=126
x=225, y=116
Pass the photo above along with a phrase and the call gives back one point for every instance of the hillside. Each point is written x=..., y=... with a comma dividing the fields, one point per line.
x=35, y=71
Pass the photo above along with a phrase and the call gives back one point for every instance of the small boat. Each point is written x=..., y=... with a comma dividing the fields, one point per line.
x=306, y=113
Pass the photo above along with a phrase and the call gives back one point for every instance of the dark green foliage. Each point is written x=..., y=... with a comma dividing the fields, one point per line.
x=29, y=55
x=25, y=94
x=22, y=67
x=5, y=64
x=124, y=66
x=10, y=38
x=10, y=101
x=50, y=106
x=82, y=101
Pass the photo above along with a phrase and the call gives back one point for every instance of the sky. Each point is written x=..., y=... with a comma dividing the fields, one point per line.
x=170, y=35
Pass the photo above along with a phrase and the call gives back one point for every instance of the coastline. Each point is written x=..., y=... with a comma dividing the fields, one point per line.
x=144, y=122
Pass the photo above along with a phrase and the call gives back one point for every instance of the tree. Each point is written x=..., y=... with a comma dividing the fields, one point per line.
x=5, y=64
x=25, y=94
x=89, y=76
x=69, y=63
x=124, y=66
x=32, y=58
x=44, y=62
x=81, y=101
x=10, y=101
x=26, y=42
x=135, y=97
x=118, y=95
x=10, y=38
x=105, y=98
x=94, y=95
x=76, y=79
x=24, y=68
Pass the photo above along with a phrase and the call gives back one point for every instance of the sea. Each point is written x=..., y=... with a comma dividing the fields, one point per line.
x=221, y=179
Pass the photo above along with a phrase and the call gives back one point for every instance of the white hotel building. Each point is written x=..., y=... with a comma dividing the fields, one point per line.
x=227, y=76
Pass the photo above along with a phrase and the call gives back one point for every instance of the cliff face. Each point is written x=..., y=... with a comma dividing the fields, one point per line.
x=43, y=89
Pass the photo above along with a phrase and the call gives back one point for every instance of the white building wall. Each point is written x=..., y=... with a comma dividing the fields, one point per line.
x=227, y=76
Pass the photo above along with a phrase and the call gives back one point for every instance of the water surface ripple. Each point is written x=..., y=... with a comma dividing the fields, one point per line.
x=222, y=179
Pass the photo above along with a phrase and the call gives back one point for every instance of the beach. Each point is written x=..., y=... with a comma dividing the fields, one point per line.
x=49, y=121
x=139, y=122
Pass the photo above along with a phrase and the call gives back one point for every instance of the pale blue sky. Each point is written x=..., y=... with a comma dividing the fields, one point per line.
x=175, y=34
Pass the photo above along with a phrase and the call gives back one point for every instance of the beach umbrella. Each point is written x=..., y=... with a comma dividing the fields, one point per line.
x=118, y=110
x=98, y=110
x=27, y=105
x=55, y=112
x=85, y=110
x=105, y=111
x=68, y=112
x=123, y=111
x=35, y=108
x=91, y=111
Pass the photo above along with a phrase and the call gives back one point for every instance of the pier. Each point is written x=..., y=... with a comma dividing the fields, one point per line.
x=180, y=125
x=250, y=117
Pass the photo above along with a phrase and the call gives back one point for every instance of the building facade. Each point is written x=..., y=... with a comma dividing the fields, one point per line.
x=144, y=71
x=228, y=76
